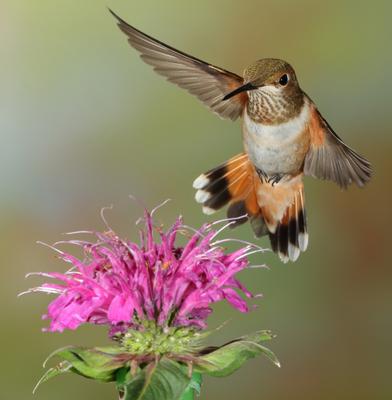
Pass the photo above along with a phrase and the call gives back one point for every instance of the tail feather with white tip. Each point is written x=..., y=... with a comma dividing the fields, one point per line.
x=276, y=210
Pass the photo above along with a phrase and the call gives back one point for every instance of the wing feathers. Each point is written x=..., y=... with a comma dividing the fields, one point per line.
x=207, y=82
x=330, y=158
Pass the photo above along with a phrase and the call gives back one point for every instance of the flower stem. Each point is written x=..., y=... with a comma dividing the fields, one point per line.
x=193, y=388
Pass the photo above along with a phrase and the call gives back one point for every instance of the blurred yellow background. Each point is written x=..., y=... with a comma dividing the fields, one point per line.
x=84, y=123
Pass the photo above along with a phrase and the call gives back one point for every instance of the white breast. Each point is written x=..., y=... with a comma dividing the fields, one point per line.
x=275, y=148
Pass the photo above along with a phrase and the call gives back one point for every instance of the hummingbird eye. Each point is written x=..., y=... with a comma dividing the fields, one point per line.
x=283, y=80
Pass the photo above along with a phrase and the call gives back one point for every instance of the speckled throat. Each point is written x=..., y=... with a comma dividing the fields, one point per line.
x=270, y=108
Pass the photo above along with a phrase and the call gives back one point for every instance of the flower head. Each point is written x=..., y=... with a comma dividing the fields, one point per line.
x=123, y=284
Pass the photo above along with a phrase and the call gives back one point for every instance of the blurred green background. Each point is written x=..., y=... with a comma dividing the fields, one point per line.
x=84, y=123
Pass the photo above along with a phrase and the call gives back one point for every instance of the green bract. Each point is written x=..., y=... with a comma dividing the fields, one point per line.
x=226, y=359
x=160, y=375
x=163, y=380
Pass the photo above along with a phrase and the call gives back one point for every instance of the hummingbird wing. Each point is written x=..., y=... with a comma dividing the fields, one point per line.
x=207, y=82
x=330, y=158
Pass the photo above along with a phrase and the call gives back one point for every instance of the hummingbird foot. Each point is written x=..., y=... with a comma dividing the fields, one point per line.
x=262, y=175
x=274, y=179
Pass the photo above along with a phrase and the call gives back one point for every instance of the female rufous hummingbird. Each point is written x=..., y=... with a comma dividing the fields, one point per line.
x=284, y=135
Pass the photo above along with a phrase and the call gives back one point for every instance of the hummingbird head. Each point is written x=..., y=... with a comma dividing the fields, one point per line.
x=273, y=90
x=271, y=72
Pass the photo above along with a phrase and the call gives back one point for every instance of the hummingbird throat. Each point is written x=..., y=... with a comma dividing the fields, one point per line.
x=269, y=106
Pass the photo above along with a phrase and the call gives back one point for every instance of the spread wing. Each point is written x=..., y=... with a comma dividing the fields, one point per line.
x=207, y=82
x=330, y=158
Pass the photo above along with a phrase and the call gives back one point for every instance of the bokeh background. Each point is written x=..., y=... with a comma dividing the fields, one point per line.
x=84, y=123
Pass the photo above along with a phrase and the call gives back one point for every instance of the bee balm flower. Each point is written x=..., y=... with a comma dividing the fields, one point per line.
x=155, y=297
x=124, y=284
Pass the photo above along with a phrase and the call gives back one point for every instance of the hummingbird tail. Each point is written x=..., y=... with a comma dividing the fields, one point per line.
x=276, y=210
x=288, y=235
x=229, y=183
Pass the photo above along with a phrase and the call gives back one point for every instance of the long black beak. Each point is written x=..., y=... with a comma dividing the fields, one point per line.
x=243, y=88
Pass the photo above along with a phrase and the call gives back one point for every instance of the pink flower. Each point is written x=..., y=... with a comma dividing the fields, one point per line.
x=121, y=283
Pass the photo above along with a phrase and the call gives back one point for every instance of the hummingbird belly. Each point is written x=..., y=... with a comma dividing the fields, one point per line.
x=277, y=149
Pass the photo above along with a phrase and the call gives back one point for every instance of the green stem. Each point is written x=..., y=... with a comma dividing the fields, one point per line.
x=193, y=388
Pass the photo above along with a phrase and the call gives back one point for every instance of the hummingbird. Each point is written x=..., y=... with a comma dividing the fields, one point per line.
x=284, y=139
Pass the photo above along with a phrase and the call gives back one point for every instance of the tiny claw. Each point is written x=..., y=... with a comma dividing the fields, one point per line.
x=274, y=179
x=262, y=175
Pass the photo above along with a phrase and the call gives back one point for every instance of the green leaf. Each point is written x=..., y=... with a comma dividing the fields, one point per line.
x=163, y=380
x=259, y=336
x=61, y=368
x=230, y=357
x=93, y=363
x=194, y=387
x=123, y=376
x=99, y=363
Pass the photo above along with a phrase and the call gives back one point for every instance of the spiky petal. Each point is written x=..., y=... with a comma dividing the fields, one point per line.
x=121, y=283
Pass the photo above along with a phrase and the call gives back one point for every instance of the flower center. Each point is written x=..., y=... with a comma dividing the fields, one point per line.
x=150, y=338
